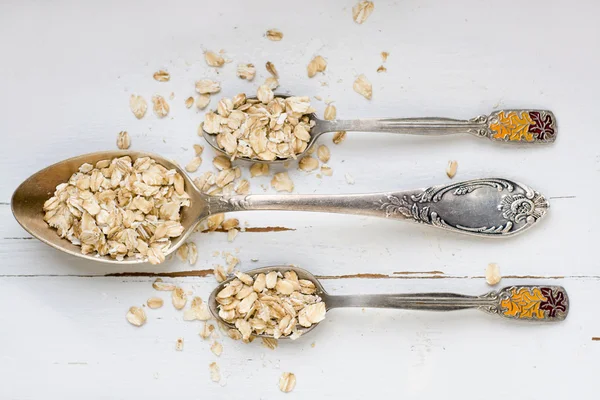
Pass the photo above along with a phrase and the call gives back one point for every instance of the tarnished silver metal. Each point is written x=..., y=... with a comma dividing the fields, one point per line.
x=523, y=302
x=493, y=207
x=509, y=126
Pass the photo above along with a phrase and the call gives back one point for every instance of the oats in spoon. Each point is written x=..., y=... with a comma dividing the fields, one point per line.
x=274, y=304
x=120, y=208
x=265, y=128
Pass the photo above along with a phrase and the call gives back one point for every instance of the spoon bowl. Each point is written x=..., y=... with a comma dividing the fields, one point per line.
x=532, y=303
x=28, y=200
x=535, y=127
x=302, y=274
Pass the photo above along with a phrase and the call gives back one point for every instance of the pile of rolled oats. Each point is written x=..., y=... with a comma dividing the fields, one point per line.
x=265, y=128
x=120, y=208
x=272, y=304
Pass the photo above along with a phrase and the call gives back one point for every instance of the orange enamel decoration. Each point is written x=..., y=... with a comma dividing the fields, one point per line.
x=512, y=126
x=524, y=303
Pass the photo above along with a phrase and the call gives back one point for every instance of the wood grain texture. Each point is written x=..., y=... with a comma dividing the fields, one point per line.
x=68, y=69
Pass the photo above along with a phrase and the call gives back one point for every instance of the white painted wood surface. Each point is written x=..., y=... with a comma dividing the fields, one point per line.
x=67, y=71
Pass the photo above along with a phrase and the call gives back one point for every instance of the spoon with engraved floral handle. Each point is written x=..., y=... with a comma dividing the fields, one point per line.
x=508, y=126
x=492, y=207
x=521, y=302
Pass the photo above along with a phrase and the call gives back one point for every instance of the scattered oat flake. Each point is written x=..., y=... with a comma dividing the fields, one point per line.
x=259, y=169
x=193, y=165
x=216, y=348
x=179, y=298
x=206, y=86
x=189, y=102
x=274, y=35
x=138, y=106
x=287, y=382
x=363, y=87
x=270, y=343
x=330, y=112
x=161, y=107
x=193, y=253
x=202, y=101
x=123, y=141
x=362, y=10
x=451, y=169
x=163, y=286
x=215, y=373
x=326, y=170
x=243, y=187
x=172, y=96
x=339, y=137
x=198, y=149
x=136, y=316
x=198, y=311
x=246, y=71
x=492, y=274
x=213, y=59
x=207, y=330
x=384, y=56
x=219, y=273
x=230, y=223
x=162, y=76
x=179, y=344
x=349, y=179
x=215, y=221
x=271, y=69
x=182, y=252
x=381, y=69
x=155, y=302
x=323, y=153
x=231, y=234
x=281, y=182
x=221, y=163
x=308, y=164
x=317, y=64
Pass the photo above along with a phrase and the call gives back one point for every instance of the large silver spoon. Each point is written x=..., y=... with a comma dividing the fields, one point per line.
x=508, y=126
x=522, y=302
x=492, y=207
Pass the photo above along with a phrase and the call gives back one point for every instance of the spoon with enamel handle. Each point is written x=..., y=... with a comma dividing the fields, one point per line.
x=493, y=207
x=509, y=126
x=520, y=302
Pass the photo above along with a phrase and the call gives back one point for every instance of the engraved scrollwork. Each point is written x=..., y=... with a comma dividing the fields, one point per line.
x=435, y=193
x=528, y=207
x=394, y=205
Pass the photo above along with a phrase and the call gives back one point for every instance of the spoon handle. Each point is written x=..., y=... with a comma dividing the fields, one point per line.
x=514, y=126
x=529, y=303
x=492, y=207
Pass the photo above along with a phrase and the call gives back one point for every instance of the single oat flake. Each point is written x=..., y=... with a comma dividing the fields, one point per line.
x=381, y=69
x=179, y=344
x=451, y=169
x=274, y=35
x=281, y=182
x=384, y=56
x=160, y=106
x=179, y=298
x=492, y=274
x=259, y=169
x=287, y=382
x=216, y=348
x=246, y=71
x=215, y=372
x=138, y=106
x=213, y=59
x=308, y=164
x=189, y=102
x=270, y=343
x=162, y=76
x=339, y=137
x=206, y=86
x=155, y=302
x=362, y=10
x=363, y=87
x=136, y=316
x=330, y=112
x=163, y=286
x=271, y=69
x=323, y=153
x=202, y=101
x=317, y=64
x=123, y=141
x=193, y=165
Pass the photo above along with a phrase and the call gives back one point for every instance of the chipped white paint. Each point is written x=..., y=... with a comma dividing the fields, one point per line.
x=68, y=70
